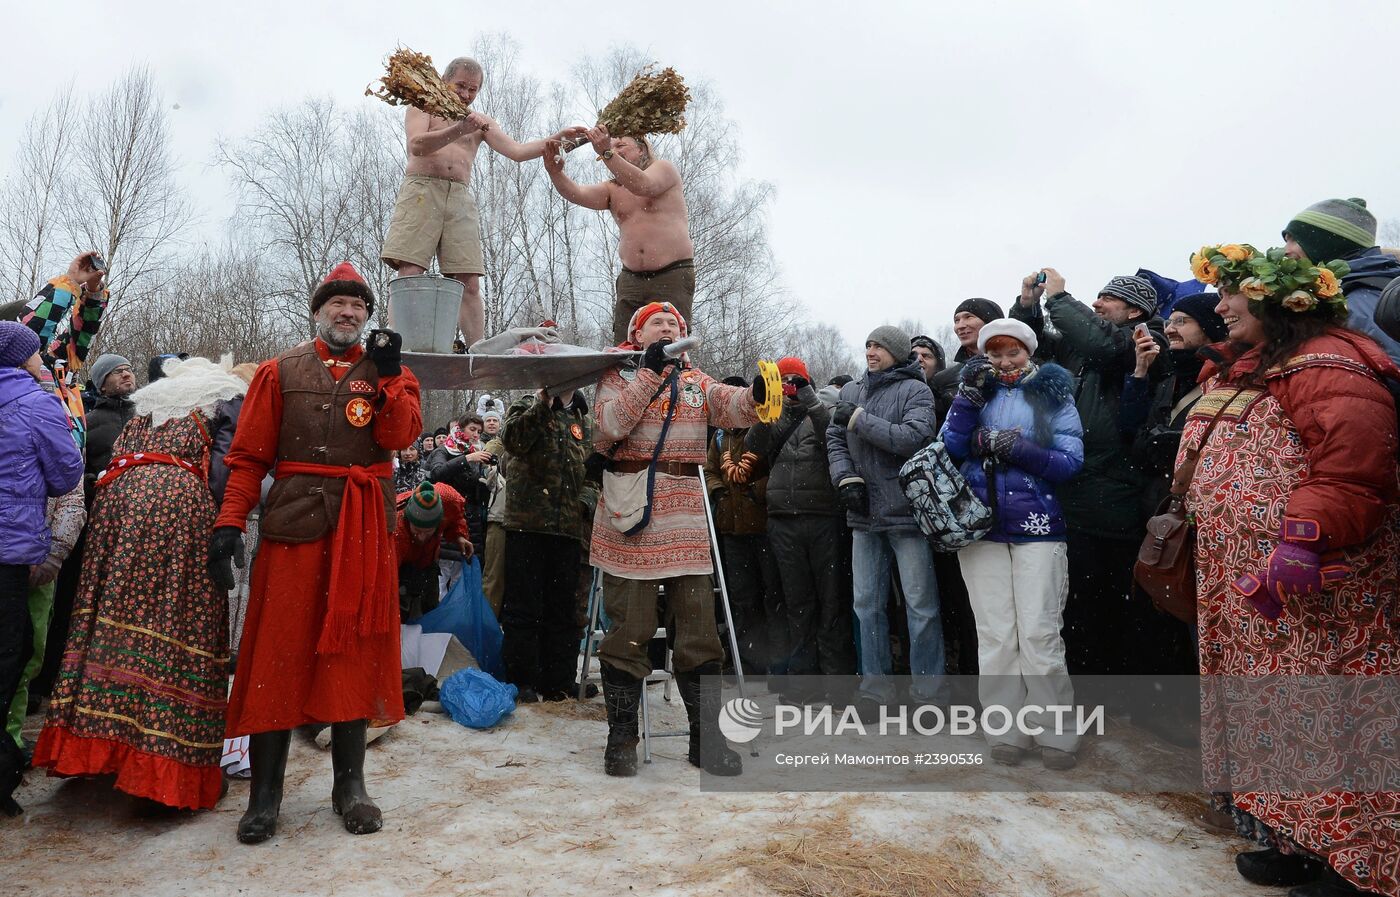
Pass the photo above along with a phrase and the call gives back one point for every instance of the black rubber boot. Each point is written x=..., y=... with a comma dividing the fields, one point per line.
x=707, y=746
x=267, y=758
x=348, y=796
x=1331, y=885
x=1271, y=868
x=622, y=694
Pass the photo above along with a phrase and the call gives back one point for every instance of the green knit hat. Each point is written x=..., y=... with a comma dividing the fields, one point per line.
x=1333, y=229
x=424, y=508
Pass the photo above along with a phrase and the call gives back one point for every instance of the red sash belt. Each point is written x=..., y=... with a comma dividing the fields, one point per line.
x=362, y=597
x=122, y=463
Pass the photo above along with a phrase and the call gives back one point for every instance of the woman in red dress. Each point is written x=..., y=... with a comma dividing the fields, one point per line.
x=144, y=680
x=1295, y=502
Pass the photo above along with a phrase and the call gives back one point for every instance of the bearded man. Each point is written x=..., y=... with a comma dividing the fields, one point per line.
x=321, y=642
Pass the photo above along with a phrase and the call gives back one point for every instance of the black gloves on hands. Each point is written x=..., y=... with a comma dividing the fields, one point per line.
x=654, y=359
x=998, y=444
x=225, y=551
x=976, y=377
x=843, y=413
x=594, y=465
x=387, y=357
x=854, y=496
x=759, y=390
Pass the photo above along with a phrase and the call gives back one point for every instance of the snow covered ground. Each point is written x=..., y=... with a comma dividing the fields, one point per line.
x=525, y=809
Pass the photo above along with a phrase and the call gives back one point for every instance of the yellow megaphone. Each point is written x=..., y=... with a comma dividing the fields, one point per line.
x=771, y=408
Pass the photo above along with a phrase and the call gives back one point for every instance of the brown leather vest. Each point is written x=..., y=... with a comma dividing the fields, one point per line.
x=317, y=429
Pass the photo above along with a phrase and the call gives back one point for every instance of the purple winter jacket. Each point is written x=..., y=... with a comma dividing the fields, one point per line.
x=38, y=459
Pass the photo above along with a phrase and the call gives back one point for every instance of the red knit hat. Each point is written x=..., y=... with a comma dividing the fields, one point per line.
x=639, y=317
x=343, y=280
x=793, y=365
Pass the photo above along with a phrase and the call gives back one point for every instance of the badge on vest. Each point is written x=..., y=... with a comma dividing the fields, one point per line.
x=362, y=387
x=693, y=396
x=359, y=412
x=576, y=430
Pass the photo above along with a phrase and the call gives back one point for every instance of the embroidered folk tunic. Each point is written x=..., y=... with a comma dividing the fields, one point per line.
x=284, y=678
x=1317, y=441
x=629, y=413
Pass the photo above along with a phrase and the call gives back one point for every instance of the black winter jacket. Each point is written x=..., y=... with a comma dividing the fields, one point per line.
x=794, y=446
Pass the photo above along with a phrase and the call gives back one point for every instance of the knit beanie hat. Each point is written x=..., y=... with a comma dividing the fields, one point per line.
x=927, y=342
x=424, y=508
x=1201, y=308
x=17, y=343
x=1135, y=291
x=793, y=366
x=493, y=414
x=103, y=366
x=1017, y=330
x=895, y=341
x=985, y=309
x=343, y=280
x=1333, y=229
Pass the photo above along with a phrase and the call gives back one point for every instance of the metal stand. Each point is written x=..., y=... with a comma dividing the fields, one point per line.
x=723, y=588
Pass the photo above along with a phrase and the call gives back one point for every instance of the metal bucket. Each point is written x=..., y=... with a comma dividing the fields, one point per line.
x=424, y=309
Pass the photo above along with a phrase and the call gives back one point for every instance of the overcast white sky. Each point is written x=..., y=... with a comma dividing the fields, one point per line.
x=922, y=152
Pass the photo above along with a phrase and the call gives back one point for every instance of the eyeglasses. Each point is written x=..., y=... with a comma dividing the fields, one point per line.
x=1178, y=321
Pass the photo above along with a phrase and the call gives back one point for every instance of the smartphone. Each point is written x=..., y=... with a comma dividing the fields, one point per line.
x=1140, y=329
x=98, y=263
x=1040, y=278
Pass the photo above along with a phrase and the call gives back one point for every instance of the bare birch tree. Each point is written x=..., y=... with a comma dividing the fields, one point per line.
x=30, y=221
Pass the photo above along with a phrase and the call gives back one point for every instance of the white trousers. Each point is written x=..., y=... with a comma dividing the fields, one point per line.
x=1018, y=594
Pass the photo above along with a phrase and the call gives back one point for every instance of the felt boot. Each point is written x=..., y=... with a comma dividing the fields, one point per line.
x=707, y=746
x=267, y=759
x=1331, y=885
x=348, y=796
x=622, y=694
x=1270, y=867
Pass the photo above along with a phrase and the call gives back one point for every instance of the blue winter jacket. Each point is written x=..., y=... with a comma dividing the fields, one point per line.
x=38, y=459
x=895, y=421
x=1051, y=451
x=1373, y=266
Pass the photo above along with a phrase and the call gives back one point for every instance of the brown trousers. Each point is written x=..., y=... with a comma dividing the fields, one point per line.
x=690, y=618
x=674, y=283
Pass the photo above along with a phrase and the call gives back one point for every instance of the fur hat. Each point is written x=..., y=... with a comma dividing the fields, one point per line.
x=343, y=280
x=1017, y=330
x=894, y=341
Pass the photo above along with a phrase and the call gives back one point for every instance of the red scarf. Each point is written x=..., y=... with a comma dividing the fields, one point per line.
x=361, y=598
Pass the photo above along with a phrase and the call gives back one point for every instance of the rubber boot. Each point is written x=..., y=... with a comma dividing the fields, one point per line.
x=622, y=694
x=707, y=746
x=1270, y=867
x=267, y=759
x=348, y=796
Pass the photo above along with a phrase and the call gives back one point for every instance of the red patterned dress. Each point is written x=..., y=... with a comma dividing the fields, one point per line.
x=1316, y=439
x=144, y=680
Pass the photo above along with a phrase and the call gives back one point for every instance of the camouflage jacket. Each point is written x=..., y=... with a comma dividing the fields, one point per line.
x=546, y=491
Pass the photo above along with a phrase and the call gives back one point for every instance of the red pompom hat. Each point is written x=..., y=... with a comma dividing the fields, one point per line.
x=343, y=280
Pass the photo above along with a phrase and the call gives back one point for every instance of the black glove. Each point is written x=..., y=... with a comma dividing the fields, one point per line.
x=594, y=466
x=654, y=359
x=997, y=444
x=225, y=551
x=759, y=390
x=386, y=357
x=843, y=413
x=976, y=376
x=854, y=496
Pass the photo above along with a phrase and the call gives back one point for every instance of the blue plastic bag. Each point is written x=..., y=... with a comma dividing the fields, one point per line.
x=466, y=614
x=475, y=699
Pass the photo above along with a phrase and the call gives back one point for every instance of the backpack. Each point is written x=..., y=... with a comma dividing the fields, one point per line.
x=946, y=509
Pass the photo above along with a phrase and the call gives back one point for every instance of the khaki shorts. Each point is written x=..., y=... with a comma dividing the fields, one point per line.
x=435, y=217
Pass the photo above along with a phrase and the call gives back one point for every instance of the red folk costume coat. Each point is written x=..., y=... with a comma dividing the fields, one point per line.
x=309, y=653
x=1316, y=439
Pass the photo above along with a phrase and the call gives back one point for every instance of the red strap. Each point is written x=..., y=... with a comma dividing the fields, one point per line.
x=122, y=463
x=362, y=596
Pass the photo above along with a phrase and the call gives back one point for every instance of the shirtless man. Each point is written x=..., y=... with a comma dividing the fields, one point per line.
x=644, y=197
x=436, y=213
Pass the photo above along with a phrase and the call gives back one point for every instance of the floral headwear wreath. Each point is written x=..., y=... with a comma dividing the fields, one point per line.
x=1296, y=284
